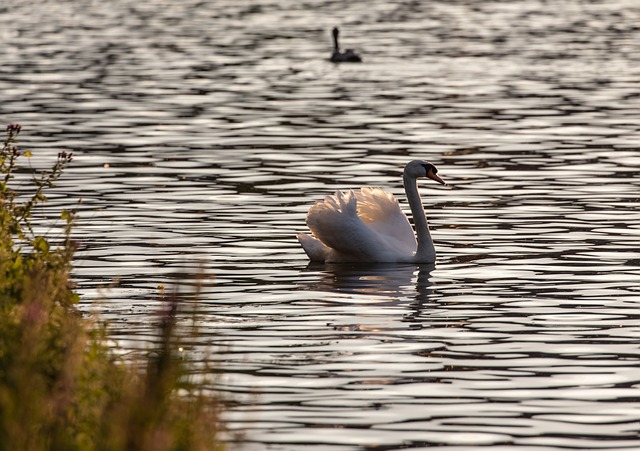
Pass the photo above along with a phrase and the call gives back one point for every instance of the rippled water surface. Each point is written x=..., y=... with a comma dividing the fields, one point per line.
x=203, y=130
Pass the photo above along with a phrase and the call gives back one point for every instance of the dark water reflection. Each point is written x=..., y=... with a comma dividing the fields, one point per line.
x=203, y=131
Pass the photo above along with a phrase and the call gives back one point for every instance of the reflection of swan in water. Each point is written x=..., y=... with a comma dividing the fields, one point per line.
x=378, y=280
x=349, y=55
x=369, y=226
x=400, y=291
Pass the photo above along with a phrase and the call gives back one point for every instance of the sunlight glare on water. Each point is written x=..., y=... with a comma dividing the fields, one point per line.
x=204, y=130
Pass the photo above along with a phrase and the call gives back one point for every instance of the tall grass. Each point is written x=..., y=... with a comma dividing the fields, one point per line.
x=61, y=386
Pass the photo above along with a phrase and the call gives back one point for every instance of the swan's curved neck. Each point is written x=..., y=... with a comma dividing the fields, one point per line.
x=426, y=251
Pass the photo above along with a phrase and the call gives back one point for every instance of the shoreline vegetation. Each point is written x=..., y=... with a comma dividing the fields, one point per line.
x=61, y=386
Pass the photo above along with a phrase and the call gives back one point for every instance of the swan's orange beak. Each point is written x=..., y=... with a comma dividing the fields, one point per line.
x=433, y=176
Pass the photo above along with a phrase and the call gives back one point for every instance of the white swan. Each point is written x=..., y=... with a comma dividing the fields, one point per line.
x=369, y=226
x=348, y=56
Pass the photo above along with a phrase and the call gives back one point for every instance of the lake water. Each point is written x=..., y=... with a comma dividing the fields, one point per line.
x=203, y=131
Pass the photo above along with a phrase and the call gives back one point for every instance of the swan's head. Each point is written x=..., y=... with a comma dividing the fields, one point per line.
x=420, y=168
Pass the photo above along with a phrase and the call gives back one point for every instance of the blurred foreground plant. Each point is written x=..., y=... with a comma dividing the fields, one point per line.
x=61, y=386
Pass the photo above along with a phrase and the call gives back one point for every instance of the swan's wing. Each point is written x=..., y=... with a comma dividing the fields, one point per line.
x=381, y=211
x=334, y=221
x=364, y=226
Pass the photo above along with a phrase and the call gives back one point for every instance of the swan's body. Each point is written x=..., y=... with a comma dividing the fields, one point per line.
x=369, y=226
x=348, y=56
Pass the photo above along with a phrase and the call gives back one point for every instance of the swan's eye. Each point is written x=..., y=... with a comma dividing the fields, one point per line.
x=429, y=167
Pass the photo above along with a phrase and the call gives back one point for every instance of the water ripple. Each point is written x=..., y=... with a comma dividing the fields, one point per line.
x=204, y=130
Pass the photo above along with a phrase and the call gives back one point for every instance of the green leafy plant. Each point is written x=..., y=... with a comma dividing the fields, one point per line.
x=23, y=252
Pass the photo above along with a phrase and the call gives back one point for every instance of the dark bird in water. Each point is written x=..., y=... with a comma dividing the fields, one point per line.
x=349, y=55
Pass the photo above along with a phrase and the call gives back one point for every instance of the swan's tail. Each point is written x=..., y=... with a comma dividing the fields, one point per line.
x=314, y=248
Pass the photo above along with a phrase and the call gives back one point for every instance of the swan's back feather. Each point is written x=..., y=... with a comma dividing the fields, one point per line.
x=381, y=211
x=334, y=221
